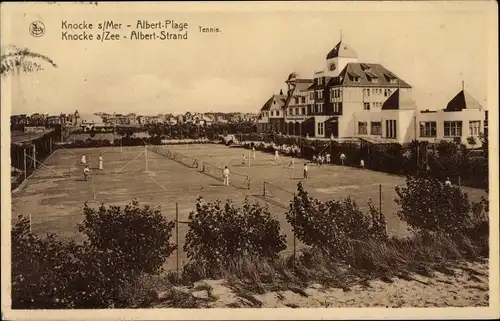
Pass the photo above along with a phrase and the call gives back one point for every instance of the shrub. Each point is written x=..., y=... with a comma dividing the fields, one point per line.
x=133, y=240
x=122, y=246
x=330, y=225
x=218, y=233
x=42, y=270
x=428, y=205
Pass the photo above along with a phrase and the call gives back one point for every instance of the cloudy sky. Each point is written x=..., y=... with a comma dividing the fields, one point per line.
x=433, y=47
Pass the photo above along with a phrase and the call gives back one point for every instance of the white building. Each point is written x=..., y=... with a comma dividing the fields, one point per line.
x=352, y=99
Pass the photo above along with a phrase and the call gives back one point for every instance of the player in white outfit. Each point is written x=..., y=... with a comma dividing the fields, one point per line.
x=83, y=160
x=225, y=174
x=100, y=162
x=86, y=172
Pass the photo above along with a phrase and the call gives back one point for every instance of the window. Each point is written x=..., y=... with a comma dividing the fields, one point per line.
x=297, y=111
x=296, y=100
x=366, y=106
x=272, y=113
x=303, y=100
x=277, y=113
x=394, y=81
x=474, y=127
x=291, y=111
x=320, y=81
x=319, y=94
x=321, y=129
x=355, y=79
x=374, y=80
x=376, y=128
x=311, y=96
x=362, y=128
x=428, y=129
x=390, y=126
x=320, y=108
x=387, y=92
x=452, y=128
x=367, y=92
x=303, y=110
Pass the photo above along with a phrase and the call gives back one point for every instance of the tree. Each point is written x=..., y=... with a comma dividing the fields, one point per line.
x=122, y=245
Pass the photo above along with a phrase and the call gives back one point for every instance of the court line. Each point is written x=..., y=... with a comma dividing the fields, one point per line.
x=154, y=180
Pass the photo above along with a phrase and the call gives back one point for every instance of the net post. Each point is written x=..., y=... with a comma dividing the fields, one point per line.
x=30, y=222
x=25, y=164
x=264, y=189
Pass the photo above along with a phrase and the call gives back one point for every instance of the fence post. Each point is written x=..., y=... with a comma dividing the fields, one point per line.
x=30, y=222
x=146, y=153
x=264, y=189
x=25, y=164
x=177, y=236
x=380, y=199
x=34, y=156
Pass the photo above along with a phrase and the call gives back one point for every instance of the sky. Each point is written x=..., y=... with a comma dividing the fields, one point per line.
x=433, y=47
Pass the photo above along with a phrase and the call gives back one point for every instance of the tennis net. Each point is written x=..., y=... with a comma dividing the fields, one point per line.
x=187, y=161
x=236, y=180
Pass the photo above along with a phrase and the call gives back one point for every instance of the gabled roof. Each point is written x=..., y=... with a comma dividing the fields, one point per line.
x=463, y=100
x=303, y=84
x=280, y=100
x=342, y=50
x=399, y=100
x=366, y=71
x=316, y=86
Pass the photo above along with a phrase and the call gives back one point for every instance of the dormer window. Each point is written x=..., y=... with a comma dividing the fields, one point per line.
x=394, y=81
x=355, y=79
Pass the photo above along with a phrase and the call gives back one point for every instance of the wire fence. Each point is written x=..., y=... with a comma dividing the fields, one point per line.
x=236, y=180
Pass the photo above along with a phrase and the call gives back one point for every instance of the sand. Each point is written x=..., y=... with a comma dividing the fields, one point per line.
x=467, y=288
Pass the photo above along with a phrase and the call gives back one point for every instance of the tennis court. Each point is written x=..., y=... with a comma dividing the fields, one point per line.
x=162, y=176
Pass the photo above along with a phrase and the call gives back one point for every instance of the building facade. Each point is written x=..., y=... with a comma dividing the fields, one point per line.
x=351, y=99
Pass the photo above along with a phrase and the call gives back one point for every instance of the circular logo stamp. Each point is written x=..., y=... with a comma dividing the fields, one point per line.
x=37, y=28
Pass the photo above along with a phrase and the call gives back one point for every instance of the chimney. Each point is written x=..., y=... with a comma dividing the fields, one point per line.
x=281, y=92
x=463, y=85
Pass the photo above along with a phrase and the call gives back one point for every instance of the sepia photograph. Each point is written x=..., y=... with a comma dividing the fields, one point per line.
x=252, y=160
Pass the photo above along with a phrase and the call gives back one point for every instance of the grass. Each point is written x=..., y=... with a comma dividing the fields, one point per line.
x=371, y=260
x=383, y=260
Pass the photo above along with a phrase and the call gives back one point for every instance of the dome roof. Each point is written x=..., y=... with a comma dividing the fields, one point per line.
x=342, y=50
x=292, y=76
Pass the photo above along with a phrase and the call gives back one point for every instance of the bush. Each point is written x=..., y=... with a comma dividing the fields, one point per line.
x=428, y=205
x=330, y=225
x=218, y=233
x=123, y=245
x=43, y=270
x=134, y=240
